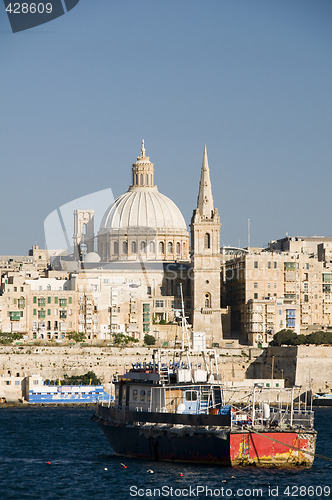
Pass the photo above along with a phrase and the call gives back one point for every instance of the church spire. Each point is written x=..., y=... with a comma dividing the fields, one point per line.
x=205, y=198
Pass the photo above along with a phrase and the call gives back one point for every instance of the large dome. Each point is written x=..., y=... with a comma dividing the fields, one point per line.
x=143, y=223
x=143, y=208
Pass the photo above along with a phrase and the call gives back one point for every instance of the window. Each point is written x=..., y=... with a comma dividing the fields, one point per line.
x=207, y=300
x=289, y=266
x=70, y=300
x=274, y=265
x=159, y=303
x=147, y=179
x=21, y=303
x=255, y=285
x=41, y=302
x=48, y=312
x=207, y=240
x=133, y=247
x=307, y=265
x=63, y=302
x=15, y=288
x=256, y=264
x=141, y=179
x=142, y=395
x=55, y=300
x=305, y=298
x=148, y=290
x=48, y=300
x=290, y=318
x=125, y=247
x=135, y=392
x=146, y=327
x=269, y=265
x=161, y=247
x=178, y=248
x=152, y=247
x=326, y=288
x=191, y=395
x=326, y=277
x=35, y=312
x=41, y=314
x=169, y=247
x=143, y=247
x=63, y=314
x=116, y=248
x=35, y=300
x=255, y=295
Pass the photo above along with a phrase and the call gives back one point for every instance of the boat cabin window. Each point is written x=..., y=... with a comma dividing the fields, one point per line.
x=135, y=392
x=142, y=395
x=116, y=393
x=149, y=395
x=191, y=395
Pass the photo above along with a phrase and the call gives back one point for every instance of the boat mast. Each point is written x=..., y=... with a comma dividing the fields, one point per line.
x=184, y=322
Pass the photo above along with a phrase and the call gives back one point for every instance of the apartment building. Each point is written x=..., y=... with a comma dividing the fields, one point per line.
x=271, y=289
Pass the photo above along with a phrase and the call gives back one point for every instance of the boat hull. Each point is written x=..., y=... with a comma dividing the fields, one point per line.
x=209, y=444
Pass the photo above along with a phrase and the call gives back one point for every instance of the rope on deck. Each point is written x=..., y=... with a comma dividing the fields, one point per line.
x=323, y=457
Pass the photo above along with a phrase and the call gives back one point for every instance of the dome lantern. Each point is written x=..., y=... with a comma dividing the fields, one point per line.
x=143, y=170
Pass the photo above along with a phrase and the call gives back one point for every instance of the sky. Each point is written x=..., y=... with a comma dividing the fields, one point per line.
x=250, y=79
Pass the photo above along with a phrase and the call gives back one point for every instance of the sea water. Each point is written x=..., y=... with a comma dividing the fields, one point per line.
x=59, y=453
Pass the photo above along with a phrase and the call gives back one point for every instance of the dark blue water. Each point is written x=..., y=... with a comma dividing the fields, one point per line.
x=79, y=453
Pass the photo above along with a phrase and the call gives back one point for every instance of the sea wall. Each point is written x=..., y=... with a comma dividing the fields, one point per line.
x=302, y=365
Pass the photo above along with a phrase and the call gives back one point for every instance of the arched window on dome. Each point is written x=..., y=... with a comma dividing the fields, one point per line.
x=136, y=181
x=152, y=247
x=125, y=247
x=133, y=247
x=147, y=179
x=207, y=240
x=141, y=180
x=151, y=181
x=143, y=247
x=169, y=247
x=178, y=248
x=161, y=247
x=116, y=248
x=207, y=301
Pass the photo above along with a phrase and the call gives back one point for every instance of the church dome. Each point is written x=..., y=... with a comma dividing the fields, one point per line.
x=143, y=223
x=143, y=208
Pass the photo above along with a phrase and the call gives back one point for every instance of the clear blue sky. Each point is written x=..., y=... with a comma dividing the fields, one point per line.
x=251, y=79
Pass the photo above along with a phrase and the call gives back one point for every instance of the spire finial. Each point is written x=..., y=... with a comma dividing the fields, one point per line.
x=143, y=149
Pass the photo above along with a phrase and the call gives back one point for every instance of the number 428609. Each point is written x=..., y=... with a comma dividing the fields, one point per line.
x=29, y=8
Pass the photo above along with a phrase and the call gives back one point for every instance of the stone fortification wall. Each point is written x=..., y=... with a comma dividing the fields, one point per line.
x=55, y=362
x=308, y=366
x=295, y=364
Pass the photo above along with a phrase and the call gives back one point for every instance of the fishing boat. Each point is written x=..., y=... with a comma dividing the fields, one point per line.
x=177, y=408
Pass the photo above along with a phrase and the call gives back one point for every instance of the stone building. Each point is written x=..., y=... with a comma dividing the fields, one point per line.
x=271, y=289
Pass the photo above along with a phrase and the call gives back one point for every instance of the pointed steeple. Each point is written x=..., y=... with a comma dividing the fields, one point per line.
x=205, y=198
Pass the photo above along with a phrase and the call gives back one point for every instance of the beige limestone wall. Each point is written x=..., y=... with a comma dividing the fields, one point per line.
x=291, y=363
x=55, y=362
